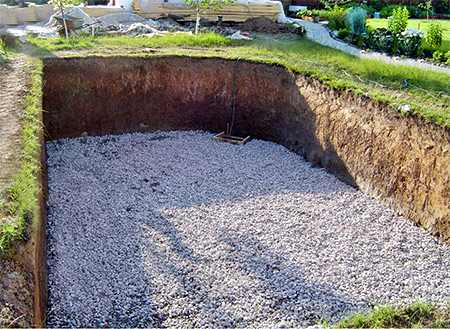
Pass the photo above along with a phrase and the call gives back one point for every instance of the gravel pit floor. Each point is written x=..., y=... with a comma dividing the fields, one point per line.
x=177, y=230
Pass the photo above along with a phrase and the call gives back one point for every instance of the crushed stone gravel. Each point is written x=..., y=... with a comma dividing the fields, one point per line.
x=176, y=230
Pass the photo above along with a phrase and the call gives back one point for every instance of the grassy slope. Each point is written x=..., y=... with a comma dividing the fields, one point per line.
x=21, y=199
x=419, y=24
x=427, y=92
x=417, y=315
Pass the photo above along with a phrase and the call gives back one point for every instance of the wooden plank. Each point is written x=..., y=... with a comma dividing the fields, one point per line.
x=222, y=137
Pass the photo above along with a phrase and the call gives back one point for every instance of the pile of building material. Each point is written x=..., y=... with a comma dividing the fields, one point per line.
x=238, y=11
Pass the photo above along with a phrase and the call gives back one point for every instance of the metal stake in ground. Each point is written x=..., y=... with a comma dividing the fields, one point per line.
x=227, y=135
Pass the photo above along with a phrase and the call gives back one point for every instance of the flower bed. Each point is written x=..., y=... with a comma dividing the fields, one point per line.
x=396, y=39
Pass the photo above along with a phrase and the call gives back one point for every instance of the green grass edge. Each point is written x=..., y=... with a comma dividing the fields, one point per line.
x=21, y=199
x=419, y=314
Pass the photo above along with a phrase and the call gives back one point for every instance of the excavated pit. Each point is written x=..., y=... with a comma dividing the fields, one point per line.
x=403, y=162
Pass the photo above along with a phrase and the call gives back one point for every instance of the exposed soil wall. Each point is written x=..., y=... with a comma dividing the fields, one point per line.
x=403, y=161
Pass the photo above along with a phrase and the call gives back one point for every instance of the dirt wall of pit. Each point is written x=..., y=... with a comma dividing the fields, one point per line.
x=403, y=161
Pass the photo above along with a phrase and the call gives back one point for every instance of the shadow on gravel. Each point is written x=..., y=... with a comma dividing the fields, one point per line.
x=292, y=295
x=193, y=299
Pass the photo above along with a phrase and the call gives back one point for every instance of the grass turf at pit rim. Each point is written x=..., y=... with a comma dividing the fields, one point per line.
x=21, y=197
x=426, y=92
x=416, y=315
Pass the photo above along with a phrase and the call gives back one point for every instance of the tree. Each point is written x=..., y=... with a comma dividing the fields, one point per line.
x=61, y=5
x=200, y=6
x=427, y=6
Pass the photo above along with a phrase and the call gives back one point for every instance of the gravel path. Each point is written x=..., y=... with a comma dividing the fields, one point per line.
x=318, y=33
x=177, y=230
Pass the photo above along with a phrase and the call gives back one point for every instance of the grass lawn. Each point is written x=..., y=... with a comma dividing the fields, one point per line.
x=419, y=24
x=427, y=92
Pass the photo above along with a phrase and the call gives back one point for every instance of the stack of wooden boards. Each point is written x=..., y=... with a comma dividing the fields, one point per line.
x=239, y=11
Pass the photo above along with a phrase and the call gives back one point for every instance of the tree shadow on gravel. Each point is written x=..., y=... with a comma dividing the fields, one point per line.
x=191, y=294
x=292, y=295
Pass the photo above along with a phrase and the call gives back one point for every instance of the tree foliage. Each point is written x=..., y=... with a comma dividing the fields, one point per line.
x=201, y=6
x=398, y=22
x=434, y=36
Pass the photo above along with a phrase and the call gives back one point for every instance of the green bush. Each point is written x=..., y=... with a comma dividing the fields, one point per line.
x=398, y=22
x=409, y=43
x=355, y=20
x=388, y=10
x=439, y=56
x=434, y=35
x=343, y=33
x=304, y=12
x=380, y=40
x=336, y=18
x=320, y=13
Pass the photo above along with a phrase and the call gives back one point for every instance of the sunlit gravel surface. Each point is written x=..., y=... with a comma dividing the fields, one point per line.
x=178, y=230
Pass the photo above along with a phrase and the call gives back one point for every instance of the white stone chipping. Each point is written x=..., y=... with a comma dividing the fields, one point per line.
x=176, y=230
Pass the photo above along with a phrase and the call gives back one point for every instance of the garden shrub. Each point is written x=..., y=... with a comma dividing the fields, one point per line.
x=320, y=13
x=434, y=35
x=440, y=56
x=304, y=12
x=336, y=18
x=343, y=33
x=388, y=10
x=355, y=20
x=398, y=22
x=380, y=40
x=409, y=43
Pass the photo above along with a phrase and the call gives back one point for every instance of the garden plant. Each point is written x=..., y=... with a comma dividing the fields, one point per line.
x=201, y=6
